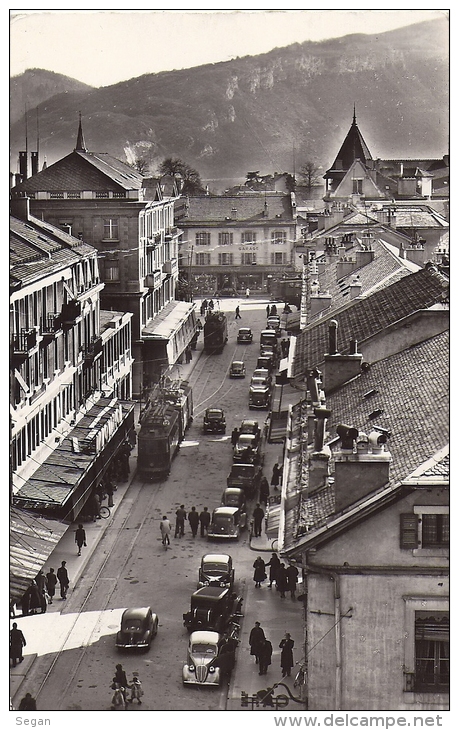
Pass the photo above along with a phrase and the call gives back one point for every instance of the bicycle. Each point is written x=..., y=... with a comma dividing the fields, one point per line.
x=104, y=512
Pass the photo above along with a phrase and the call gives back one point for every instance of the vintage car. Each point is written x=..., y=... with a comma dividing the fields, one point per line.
x=259, y=395
x=266, y=362
x=247, y=449
x=138, y=628
x=273, y=323
x=249, y=425
x=234, y=497
x=263, y=373
x=212, y=608
x=226, y=523
x=216, y=570
x=237, y=369
x=268, y=337
x=214, y=421
x=244, y=335
x=245, y=476
x=201, y=666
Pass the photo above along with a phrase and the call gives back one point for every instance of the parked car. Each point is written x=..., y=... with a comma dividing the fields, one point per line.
x=259, y=394
x=266, y=362
x=247, y=449
x=201, y=665
x=263, y=373
x=234, y=497
x=211, y=609
x=273, y=323
x=138, y=628
x=237, y=369
x=226, y=523
x=249, y=425
x=244, y=335
x=268, y=337
x=216, y=570
x=245, y=476
x=214, y=421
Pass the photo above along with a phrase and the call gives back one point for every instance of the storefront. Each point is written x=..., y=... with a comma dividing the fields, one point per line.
x=65, y=481
x=234, y=281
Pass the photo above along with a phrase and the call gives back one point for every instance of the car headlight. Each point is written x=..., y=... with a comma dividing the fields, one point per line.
x=191, y=668
x=211, y=670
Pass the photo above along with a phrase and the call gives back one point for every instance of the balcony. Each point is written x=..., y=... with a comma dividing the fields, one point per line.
x=170, y=267
x=23, y=342
x=92, y=351
x=70, y=312
x=153, y=281
x=50, y=325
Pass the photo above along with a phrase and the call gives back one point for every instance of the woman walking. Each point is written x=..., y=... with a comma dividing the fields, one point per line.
x=286, y=645
x=259, y=574
x=80, y=538
x=165, y=528
x=274, y=564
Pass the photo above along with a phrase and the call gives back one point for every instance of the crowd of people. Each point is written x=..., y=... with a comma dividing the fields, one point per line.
x=262, y=649
x=284, y=578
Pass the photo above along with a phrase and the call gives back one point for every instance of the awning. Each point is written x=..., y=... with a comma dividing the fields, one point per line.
x=32, y=540
x=174, y=326
x=62, y=483
x=272, y=521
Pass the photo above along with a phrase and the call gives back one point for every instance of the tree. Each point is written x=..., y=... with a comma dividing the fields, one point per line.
x=309, y=171
x=192, y=184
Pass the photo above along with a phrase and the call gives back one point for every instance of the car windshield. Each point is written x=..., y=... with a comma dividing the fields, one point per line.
x=132, y=624
x=259, y=382
x=237, y=365
x=232, y=500
x=245, y=331
x=249, y=427
x=214, y=415
x=245, y=440
x=242, y=471
x=216, y=568
x=206, y=649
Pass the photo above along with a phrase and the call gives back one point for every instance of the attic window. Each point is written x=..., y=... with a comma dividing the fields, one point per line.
x=369, y=393
x=374, y=414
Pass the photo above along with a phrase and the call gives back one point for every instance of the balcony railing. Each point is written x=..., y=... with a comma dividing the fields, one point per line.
x=93, y=350
x=50, y=325
x=23, y=342
x=69, y=313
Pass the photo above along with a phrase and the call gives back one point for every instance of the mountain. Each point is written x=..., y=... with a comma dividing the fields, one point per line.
x=258, y=112
x=36, y=86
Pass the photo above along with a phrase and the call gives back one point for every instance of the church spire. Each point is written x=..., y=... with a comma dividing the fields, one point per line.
x=80, y=145
x=354, y=120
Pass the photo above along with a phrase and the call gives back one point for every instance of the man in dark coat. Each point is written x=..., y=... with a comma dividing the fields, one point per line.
x=258, y=515
x=17, y=641
x=204, y=519
x=63, y=578
x=275, y=476
x=80, y=538
x=265, y=651
x=286, y=645
x=264, y=491
x=180, y=521
x=292, y=579
x=51, y=581
x=259, y=574
x=193, y=519
x=28, y=703
x=281, y=580
x=273, y=569
x=234, y=436
x=256, y=637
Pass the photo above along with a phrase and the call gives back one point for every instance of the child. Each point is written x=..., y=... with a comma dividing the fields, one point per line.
x=136, y=688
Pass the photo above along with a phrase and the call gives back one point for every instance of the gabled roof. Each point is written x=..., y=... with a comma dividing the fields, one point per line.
x=96, y=171
x=250, y=208
x=363, y=318
x=354, y=147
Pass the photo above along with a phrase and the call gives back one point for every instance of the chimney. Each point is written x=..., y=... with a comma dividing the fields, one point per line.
x=233, y=214
x=319, y=302
x=34, y=162
x=20, y=207
x=345, y=266
x=361, y=467
x=265, y=209
x=23, y=165
x=321, y=267
x=319, y=460
x=339, y=368
x=355, y=287
x=364, y=256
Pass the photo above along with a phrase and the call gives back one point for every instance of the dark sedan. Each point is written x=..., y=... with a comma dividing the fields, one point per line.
x=138, y=628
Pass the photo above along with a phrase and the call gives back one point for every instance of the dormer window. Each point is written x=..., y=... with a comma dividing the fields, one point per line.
x=357, y=186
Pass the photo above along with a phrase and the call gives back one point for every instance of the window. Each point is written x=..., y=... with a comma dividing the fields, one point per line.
x=278, y=237
x=278, y=258
x=203, y=259
x=357, y=186
x=225, y=259
x=111, y=228
x=432, y=651
x=248, y=258
x=248, y=237
x=225, y=239
x=203, y=238
x=112, y=270
x=425, y=528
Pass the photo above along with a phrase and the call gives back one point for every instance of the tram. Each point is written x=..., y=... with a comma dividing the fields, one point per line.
x=287, y=290
x=215, y=332
x=163, y=426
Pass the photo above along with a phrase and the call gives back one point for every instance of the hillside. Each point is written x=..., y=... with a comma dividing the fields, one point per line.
x=36, y=86
x=256, y=112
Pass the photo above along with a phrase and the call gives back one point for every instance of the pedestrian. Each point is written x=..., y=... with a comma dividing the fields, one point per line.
x=238, y=315
x=256, y=636
x=63, y=578
x=258, y=515
x=165, y=529
x=273, y=310
x=265, y=651
x=273, y=569
x=118, y=698
x=281, y=580
x=136, y=688
x=247, y=292
x=40, y=580
x=180, y=516
x=28, y=702
x=204, y=519
x=268, y=308
x=259, y=574
x=80, y=538
x=275, y=476
x=94, y=507
x=203, y=308
x=120, y=681
x=234, y=436
x=292, y=579
x=110, y=490
x=51, y=581
x=286, y=645
x=210, y=305
x=17, y=642
x=264, y=491
x=193, y=519
x=188, y=355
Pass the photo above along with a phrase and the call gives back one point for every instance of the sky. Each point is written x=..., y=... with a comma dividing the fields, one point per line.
x=102, y=47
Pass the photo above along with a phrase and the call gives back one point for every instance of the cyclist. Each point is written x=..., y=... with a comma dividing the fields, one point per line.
x=165, y=528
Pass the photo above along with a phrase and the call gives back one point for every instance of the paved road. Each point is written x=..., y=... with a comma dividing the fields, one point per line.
x=131, y=568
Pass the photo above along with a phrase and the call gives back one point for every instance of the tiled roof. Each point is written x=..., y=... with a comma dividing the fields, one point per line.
x=363, y=318
x=249, y=208
x=38, y=249
x=413, y=396
x=84, y=171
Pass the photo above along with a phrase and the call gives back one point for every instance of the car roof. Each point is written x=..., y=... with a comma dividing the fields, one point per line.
x=245, y=329
x=247, y=437
x=229, y=511
x=237, y=362
x=214, y=410
x=136, y=612
x=234, y=490
x=216, y=557
x=213, y=592
x=267, y=332
x=204, y=637
x=249, y=421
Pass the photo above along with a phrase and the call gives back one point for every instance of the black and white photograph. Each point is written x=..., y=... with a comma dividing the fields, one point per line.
x=229, y=366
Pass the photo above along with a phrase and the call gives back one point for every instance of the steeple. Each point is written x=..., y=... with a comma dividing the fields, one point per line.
x=80, y=145
x=354, y=147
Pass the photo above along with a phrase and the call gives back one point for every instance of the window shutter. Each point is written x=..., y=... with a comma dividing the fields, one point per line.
x=408, y=531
